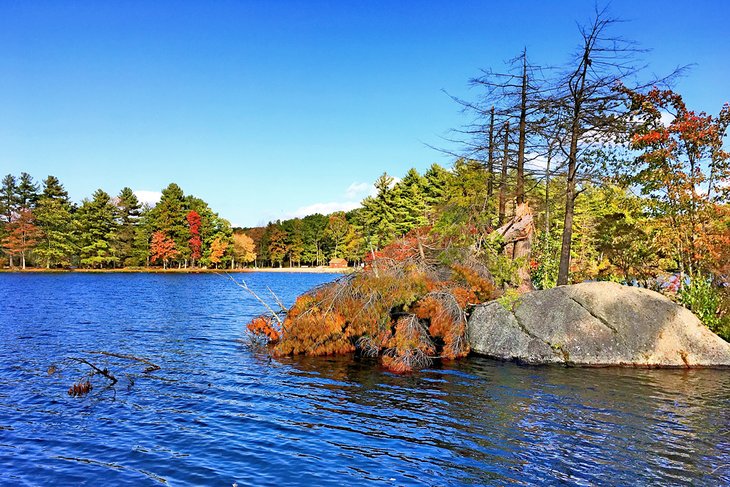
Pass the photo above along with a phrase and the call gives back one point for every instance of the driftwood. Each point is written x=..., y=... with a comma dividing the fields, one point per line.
x=151, y=367
x=105, y=372
x=517, y=235
x=82, y=388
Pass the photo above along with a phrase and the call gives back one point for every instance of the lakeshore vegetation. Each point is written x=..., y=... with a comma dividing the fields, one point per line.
x=574, y=173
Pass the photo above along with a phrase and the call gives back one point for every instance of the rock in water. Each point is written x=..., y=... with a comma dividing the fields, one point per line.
x=595, y=324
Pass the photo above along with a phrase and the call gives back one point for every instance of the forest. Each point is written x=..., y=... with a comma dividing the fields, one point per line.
x=566, y=174
x=42, y=227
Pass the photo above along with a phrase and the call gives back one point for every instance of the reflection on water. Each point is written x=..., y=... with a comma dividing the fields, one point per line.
x=216, y=413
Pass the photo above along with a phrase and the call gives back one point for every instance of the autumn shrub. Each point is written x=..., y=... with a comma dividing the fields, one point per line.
x=404, y=307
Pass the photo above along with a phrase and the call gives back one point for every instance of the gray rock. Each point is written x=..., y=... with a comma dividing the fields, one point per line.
x=596, y=324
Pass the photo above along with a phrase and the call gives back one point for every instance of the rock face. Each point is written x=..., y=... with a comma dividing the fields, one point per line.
x=596, y=324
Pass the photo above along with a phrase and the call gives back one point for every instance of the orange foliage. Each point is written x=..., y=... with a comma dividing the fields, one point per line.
x=262, y=325
x=482, y=287
x=162, y=247
x=80, y=389
x=408, y=313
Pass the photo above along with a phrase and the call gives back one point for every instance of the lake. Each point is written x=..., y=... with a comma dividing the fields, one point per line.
x=216, y=413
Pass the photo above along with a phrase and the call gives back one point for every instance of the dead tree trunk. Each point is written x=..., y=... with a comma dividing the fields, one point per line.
x=517, y=235
x=503, y=178
x=520, y=187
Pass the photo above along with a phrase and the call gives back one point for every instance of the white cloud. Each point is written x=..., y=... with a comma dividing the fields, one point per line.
x=359, y=191
x=324, y=208
x=351, y=199
x=149, y=197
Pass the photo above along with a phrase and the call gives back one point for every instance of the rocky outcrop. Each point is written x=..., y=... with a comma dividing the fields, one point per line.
x=595, y=324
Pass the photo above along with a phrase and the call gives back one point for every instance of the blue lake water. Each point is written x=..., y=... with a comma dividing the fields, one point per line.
x=216, y=413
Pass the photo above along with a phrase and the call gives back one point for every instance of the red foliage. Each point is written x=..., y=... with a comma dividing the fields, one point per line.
x=196, y=244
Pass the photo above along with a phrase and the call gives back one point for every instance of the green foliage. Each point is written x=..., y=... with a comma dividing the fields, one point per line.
x=57, y=245
x=128, y=213
x=701, y=297
x=378, y=217
x=502, y=267
x=510, y=300
x=546, y=259
x=96, y=224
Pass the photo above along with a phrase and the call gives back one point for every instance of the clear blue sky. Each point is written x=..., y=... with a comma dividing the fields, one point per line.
x=266, y=108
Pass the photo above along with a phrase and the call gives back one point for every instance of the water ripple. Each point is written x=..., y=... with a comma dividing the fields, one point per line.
x=216, y=413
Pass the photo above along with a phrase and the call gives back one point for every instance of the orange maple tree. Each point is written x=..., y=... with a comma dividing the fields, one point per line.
x=22, y=235
x=217, y=250
x=162, y=248
x=683, y=168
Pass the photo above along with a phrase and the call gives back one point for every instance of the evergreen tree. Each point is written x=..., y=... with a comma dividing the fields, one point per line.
x=8, y=206
x=8, y=198
x=169, y=216
x=435, y=181
x=27, y=193
x=143, y=231
x=53, y=215
x=96, y=222
x=378, y=217
x=410, y=200
x=52, y=188
x=128, y=213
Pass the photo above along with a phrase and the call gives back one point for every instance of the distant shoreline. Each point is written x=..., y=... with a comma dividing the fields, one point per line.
x=152, y=270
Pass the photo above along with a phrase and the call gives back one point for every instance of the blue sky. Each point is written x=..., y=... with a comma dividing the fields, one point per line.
x=268, y=109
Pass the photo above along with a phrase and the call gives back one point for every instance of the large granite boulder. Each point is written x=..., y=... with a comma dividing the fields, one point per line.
x=595, y=324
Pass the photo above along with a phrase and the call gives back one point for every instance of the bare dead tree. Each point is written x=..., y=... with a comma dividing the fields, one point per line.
x=590, y=110
x=503, y=176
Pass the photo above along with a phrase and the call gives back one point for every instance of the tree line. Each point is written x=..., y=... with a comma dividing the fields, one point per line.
x=41, y=227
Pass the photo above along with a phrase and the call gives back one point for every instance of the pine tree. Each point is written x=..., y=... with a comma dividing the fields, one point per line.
x=96, y=222
x=27, y=193
x=8, y=197
x=8, y=206
x=52, y=188
x=53, y=214
x=128, y=213
x=410, y=200
x=378, y=217
x=435, y=181
x=169, y=216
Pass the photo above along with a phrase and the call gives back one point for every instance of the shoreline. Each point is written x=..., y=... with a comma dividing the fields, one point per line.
x=151, y=270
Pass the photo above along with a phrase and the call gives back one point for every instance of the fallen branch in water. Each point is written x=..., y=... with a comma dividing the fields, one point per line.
x=152, y=367
x=105, y=372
